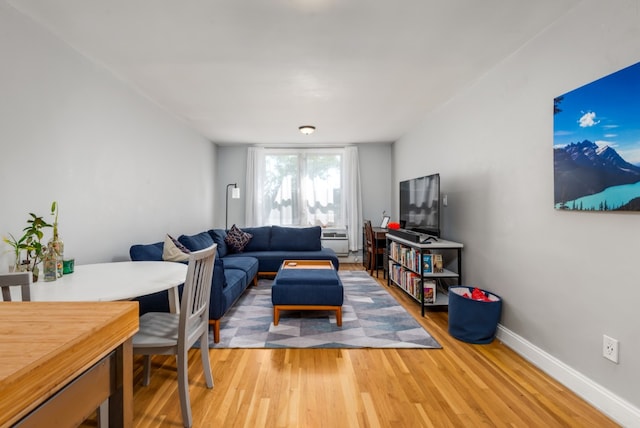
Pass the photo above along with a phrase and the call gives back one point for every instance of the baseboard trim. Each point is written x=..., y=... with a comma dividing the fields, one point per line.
x=601, y=398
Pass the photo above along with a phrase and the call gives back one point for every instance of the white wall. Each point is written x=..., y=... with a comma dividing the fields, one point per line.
x=122, y=169
x=231, y=167
x=566, y=278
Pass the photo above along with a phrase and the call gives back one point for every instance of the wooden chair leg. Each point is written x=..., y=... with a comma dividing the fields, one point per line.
x=206, y=363
x=103, y=414
x=183, y=388
x=146, y=373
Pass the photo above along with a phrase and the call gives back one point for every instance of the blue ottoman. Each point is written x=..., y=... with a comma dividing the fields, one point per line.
x=307, y=289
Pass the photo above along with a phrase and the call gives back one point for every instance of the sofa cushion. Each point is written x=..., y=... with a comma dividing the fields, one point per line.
x=296, y=238
x=218, y=236
x=260, y=240
x=196, y=242
x=237, y=239
x=270, y=261
x=249, y=265
x=146, y=252
x=174, y=251
x=307, y=277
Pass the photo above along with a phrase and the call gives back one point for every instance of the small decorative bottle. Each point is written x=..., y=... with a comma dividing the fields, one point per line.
x=58, y=248
x=50, y=263
x=57, y=243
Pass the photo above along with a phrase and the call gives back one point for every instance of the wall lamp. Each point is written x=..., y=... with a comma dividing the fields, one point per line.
x=235, y=194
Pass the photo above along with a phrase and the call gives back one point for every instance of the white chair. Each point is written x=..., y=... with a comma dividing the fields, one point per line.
x=22, y=279
x=163, y=333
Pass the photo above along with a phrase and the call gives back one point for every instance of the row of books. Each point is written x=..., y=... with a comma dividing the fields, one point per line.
x=412, y=283
x=405, y=255
x=410, y=258
x=432, y=263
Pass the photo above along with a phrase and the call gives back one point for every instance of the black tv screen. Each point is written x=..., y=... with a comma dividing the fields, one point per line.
x=420, y=204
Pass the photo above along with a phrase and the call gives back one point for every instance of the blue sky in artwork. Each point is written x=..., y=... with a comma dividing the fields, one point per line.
x=606, y=112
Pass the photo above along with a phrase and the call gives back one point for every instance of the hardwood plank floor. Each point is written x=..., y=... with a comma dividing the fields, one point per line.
x=461, y=385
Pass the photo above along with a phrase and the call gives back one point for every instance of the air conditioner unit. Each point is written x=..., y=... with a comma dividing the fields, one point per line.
x=336, y=239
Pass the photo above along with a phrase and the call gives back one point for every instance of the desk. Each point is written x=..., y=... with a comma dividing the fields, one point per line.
x=113, y=281
x=60, y=361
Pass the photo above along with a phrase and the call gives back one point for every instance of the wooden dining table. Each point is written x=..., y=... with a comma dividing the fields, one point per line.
x=69, y=349
x=60, y=361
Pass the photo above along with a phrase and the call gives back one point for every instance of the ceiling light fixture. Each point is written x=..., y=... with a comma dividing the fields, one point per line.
x=307, y=129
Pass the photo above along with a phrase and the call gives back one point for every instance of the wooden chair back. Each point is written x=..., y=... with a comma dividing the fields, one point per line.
x=21, y=279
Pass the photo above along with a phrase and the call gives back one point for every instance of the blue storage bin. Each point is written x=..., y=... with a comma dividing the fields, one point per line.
x=473, y=321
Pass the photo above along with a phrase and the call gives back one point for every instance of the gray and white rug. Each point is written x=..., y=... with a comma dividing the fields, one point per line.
x=371, y=318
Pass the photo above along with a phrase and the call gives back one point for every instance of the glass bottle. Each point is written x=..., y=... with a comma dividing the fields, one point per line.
x=58, y=248
x=50, y=263
x=57, y=243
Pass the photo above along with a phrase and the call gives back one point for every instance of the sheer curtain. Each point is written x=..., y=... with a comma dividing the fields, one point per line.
x=303, y=187
x=352, y=197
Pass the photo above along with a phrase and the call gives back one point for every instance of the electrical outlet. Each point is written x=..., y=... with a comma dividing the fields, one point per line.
x=610, y=348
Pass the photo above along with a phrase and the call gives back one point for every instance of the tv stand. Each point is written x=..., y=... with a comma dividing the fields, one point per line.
x=411, y=268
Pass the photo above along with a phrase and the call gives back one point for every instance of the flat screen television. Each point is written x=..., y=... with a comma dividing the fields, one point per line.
x=420, y=204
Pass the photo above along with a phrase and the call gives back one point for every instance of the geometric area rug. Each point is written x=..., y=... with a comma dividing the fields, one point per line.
x=371, y=318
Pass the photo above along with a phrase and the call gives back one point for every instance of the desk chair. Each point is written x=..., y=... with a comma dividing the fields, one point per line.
x=163, y=333
x=373, y=251
x=22, y=279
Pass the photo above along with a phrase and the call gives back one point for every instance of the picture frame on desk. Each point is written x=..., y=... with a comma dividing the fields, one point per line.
x=385, y=222
x=427, y=263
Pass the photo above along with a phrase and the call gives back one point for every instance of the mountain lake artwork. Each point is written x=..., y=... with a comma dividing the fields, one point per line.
x=596, y=144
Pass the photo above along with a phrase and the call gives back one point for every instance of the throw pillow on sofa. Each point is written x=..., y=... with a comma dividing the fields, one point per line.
x=174, y=251
x=237, y=239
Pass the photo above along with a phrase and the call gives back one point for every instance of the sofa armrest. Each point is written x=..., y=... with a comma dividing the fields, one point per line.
x=218, y=283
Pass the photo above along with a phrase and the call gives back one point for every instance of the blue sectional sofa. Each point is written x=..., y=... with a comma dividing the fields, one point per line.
x=233, y=272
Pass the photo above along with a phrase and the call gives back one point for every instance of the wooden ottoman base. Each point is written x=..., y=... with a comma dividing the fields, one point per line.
x=278, y=308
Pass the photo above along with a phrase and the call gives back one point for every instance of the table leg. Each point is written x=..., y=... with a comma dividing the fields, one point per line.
x=174, y=300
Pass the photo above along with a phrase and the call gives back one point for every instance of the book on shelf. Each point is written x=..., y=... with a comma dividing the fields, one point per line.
x=429, y=290
x=437, y=263
x=427, y=263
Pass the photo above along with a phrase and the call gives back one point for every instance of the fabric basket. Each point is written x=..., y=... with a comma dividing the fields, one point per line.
x=473, y=321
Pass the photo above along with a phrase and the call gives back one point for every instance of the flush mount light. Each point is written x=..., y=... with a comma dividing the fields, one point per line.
x=307, y=129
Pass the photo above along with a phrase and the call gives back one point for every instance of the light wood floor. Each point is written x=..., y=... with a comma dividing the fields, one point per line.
x=461, y=385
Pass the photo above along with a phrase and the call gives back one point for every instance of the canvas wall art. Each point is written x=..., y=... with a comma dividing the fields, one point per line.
x=596, y=144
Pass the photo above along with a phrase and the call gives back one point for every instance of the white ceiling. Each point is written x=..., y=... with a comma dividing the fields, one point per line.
x=252, y=71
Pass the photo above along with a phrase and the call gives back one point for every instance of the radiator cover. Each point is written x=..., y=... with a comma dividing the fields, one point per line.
x=336, y=239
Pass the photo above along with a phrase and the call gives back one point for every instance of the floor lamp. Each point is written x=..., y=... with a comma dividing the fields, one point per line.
x=235, y=194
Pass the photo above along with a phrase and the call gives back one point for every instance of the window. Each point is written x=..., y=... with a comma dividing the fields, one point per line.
x=302, y=188
x=305, y=187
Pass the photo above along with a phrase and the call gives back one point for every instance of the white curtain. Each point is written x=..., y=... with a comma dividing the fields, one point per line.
x=352, y=197
x=255, y=170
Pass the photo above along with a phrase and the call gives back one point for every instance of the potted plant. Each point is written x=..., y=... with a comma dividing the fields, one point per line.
x=33, y=242
x=17, y=246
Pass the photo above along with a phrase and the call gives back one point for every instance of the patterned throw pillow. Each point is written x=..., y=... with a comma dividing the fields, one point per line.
x=236, y=239
x=174, y=251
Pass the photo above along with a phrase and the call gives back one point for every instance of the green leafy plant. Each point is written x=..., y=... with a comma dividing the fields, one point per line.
x=17, y=246
x=33, y=240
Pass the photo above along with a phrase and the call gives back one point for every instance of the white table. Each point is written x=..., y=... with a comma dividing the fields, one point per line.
x=113, y=281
